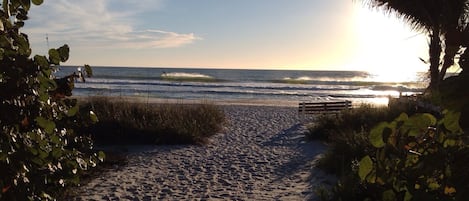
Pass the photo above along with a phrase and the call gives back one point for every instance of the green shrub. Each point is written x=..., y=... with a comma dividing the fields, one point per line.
x=322, y=128
x=346, y=149
x=124, y=122
x=417, y=157
x=40, y=153
x=347, y=136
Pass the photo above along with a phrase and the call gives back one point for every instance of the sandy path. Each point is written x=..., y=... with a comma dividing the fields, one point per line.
x=260, y=156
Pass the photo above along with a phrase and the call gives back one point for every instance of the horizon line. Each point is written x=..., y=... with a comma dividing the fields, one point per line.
x=219, y=68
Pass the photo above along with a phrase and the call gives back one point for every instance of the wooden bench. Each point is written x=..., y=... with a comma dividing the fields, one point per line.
x=332, y=107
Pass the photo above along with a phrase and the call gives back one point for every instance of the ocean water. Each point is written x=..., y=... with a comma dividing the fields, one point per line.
x=243, y=85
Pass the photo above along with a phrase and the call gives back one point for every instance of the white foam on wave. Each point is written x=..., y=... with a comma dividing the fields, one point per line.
x=325, y=79
x=185, y=75
x=303, y=78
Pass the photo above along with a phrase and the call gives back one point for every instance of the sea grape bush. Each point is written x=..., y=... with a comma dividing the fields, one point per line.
x=39, y=151
x=417, y=158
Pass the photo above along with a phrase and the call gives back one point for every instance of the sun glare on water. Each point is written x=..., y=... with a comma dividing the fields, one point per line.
x=394, y=76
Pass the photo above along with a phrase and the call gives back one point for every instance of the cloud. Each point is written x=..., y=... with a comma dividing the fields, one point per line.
x=100, y=24
x=159, y=39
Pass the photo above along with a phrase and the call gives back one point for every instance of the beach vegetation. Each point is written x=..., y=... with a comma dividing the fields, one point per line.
x=346, y=134
x=358, y=119
x=416, y=157
x=40, y=151
x=391, y=153
x=124, y=122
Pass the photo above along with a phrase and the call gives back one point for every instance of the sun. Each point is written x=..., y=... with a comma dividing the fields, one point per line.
x=387, y=47
x=394, y=76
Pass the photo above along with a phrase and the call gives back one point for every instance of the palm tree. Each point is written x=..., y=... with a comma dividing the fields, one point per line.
x=443, y=21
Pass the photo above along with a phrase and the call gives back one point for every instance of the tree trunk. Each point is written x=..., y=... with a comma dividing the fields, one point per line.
x=464, y=62
x=434, y=52
x=448, y=61
x=453, y=41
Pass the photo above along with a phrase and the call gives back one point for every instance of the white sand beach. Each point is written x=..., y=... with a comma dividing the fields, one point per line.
x=260, y=155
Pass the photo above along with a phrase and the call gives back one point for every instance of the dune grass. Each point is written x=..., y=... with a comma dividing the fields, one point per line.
x=356, y=120
x=122, y=122
x=347, y=136
x=361, y=118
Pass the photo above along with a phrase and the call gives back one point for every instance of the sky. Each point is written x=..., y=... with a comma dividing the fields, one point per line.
x=239, y=34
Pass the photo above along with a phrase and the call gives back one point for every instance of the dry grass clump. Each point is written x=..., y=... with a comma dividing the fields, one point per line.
x=124, y=122
x=355, y=120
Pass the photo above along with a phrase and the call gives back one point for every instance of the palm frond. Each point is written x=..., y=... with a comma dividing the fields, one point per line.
x=426, y=14
x=464, y=20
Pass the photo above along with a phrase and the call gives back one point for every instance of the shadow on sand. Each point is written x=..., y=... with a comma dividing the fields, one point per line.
x=302, y=165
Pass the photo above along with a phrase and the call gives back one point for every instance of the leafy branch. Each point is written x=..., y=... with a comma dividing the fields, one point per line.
x=40, y=153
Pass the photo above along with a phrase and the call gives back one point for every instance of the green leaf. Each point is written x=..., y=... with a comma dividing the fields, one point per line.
x=399, y=120
x=46, y=196
x=47, y=83
x=41, y=61
x=74, y=180
x=407, y=196
x=433, y=185
x=64, y=53
x=101, y=156
x=44, y=97
x=37, y=2
x=3, y=156
x=418, y=124
x=88, y=70
x=38, y=161
x=47, y=73
x=448, y=171
x=6, y=9
x=389, y=195
x=48, y=125
x=72, y=111
x=376, y=135
x=57, y=152
x=449, y=143
x=26, y=4
x=43, y=154
x=54, y=56
x=451, y=121
x=23, y=45
x=402, y=117
x=4, y=41
x=33, y=150
x=2, y=53
x=365, y=167
x=55, y=139
x=93, y=117
x=19, y=24
x=430, y=119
